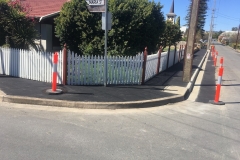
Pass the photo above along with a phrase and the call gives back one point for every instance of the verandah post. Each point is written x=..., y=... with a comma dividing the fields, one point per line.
x=145, y=53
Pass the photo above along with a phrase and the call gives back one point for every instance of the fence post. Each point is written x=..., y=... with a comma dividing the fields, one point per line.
x=145, y=53
x=179, y=53
x=168, y=56
x=174, y=54
x=65, y=64
x=159, y=59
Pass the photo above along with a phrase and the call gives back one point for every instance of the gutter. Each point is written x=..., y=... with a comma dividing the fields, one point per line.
x=49, y=15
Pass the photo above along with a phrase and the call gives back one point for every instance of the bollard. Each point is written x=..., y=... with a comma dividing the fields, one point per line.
x=54, y=89
x=221, y=62
x=212, y=48
x=54, y=78
x=215, y=60
x=213, y=55
x=218, y=89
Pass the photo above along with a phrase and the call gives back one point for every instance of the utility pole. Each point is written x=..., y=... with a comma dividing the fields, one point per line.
x=211, y=26
x=210, y=32
x=188, y=57
x=237, y=37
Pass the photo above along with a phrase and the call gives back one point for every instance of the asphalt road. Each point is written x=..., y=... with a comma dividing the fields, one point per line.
x=183, y=131
x=230, y=90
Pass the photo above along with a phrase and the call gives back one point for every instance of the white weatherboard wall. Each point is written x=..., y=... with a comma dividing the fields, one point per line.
x=29, y=64
x=89, y=70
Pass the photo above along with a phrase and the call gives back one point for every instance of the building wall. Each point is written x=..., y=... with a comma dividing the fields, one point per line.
x=46, y=37
x=47, y=40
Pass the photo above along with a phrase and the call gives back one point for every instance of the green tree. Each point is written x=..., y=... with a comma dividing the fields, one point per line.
x=171, y=35
x=135, y=24
x=16, y=25
x=79, y=28
x=234, y=28
x=178, y=21
x=216, y=34
x=4, y=8
x=202, y=13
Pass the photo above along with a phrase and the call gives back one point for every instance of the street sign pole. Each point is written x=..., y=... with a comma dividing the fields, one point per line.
x=106, y=36
x=100, y=6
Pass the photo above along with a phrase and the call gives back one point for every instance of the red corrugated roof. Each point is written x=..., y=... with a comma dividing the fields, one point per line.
x=41, y=8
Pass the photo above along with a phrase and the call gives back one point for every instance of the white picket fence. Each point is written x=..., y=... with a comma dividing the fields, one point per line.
x=29, y=64
x=152, y=60
x=89, y=70
x=82, y=70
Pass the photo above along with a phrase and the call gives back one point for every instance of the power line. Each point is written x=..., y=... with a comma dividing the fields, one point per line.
x=227, y=17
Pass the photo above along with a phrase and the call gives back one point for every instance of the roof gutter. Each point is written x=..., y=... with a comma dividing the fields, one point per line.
x=49, y=15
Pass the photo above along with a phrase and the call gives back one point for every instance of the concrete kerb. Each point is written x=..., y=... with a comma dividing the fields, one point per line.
x=93, y=105
x=180, y=96
x=190, y=85
x=2, y=94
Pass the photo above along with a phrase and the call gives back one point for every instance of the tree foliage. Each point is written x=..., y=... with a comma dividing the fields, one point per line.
x=135, y=24
x=80, y=29
x=216, y=34
x=202, y=13
x=171, y=35
x=16, y=25
x=234, y=28
x=178, y=21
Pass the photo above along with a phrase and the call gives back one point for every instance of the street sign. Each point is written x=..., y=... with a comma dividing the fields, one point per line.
x=95, y=2
x=109, y=21
x=96, y=5
x=96, y=8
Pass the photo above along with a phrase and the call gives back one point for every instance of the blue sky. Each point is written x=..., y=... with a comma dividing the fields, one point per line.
x=227, y=13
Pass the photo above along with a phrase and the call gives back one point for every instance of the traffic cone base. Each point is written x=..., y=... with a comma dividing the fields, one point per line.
x=216, y=103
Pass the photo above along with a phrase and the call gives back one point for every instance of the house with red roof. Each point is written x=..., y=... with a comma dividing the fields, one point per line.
x=44, y=11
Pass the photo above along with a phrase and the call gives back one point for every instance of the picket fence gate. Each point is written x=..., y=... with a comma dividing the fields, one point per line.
x=89, y=70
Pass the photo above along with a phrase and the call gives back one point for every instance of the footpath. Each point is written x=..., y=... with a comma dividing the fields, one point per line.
x=166, y=87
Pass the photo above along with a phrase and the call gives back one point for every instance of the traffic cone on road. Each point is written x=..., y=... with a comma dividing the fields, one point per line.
x=218, y=89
